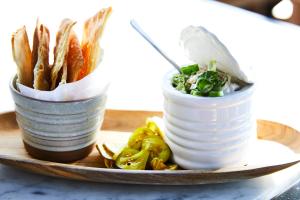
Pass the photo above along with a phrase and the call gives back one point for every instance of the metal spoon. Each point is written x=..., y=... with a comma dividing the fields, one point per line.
x=135, y=25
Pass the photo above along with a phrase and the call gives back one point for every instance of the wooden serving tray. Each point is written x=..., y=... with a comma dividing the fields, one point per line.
x=115, y=126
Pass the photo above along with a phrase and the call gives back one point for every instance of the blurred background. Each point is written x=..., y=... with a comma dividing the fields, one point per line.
x=286, y=10
x=255, y=38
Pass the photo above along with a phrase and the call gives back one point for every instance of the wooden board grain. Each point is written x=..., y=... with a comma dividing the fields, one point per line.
x=115, y=127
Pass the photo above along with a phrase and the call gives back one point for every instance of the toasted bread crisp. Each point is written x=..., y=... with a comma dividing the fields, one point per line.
x=40, y=57
x=75, y=58
x=92, y=33
x=61, y=52
x=22, y=56
x=72, y=60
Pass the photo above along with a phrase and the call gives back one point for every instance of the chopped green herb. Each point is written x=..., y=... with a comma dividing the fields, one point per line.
x=189, y=70
x=212, y=66
x=201, y=82
x=178, y=81
x=181, y=87
x=215, y=94
x=195, y=92
x=204, y=85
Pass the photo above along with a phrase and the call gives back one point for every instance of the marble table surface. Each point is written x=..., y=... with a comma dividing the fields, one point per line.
x=253, y=39
x=19, y=185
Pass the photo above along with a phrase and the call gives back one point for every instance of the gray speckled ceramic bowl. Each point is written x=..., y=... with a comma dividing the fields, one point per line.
x=58, y=131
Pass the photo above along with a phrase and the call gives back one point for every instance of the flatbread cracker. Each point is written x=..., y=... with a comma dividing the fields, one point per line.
x=75, y=58
x=40, y=57
x=61, y=50
x=22, y=56
x=93, y=29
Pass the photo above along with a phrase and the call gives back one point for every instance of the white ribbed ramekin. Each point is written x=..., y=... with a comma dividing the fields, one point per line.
x=208, y=132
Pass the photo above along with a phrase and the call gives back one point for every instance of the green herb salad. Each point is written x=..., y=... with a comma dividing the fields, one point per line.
x=204, y=81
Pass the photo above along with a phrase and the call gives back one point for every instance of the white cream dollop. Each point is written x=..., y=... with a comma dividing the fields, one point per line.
x=201, y=47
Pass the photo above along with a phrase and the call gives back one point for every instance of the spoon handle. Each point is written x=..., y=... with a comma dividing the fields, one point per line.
x=135, y=25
